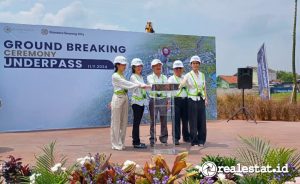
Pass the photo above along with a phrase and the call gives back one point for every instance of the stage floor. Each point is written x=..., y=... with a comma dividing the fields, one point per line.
x=222, y=139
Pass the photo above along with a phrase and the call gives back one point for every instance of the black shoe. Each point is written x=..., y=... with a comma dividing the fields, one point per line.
x=152, y=144
x=194, y=144
x=140, y=146
x=176, y=142
x=201, y=145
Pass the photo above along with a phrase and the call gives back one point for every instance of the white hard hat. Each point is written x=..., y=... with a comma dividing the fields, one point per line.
x=136, y=62
x=177, y=64
x=121, y=60
x=195, y=58
x=155, y=62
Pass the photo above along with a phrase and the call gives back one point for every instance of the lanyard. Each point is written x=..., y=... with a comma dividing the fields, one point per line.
x=123, y=91
x=178, y=94
x=143, y=91
x=195, y=83
x=121, y=75
x=162, y=78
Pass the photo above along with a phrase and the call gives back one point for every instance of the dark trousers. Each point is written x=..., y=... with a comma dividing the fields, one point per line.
x=138, y=112
x=181, y=115
x=197, y=120
x=161, y=108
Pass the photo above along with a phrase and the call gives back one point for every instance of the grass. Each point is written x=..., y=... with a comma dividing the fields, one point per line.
x=278, y=108
x=283, y=96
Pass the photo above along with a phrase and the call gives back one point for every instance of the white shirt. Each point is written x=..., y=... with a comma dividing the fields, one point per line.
x=189, y=81
x=177, y=80
x=140, y=100
x=154, y=79
x=120, y=83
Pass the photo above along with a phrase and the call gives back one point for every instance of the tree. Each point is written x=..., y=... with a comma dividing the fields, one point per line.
x=285, y=76
x=294, y=94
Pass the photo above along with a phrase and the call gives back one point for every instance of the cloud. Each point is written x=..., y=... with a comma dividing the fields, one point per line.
x=109, y=27
x=32, y=16
x=5, y=3
x=71, y=15
x=74, y=14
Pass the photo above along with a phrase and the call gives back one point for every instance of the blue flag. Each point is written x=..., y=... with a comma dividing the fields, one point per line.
x=263, y=74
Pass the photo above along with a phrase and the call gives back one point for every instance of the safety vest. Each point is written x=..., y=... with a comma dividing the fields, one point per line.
x=158, y=94
x=142, y=95
x=122, y=91
x=199, y=91
x=181, y=89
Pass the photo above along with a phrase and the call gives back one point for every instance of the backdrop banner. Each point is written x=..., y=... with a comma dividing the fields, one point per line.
x=60, y=77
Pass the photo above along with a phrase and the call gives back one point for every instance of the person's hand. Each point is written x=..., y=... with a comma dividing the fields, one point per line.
x=109, y=105
x=144, y=86
x=206, y=102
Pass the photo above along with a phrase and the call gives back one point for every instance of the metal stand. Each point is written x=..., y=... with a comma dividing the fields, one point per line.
x=243, y=110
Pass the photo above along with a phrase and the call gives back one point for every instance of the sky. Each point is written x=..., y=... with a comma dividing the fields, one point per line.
x=240, y=27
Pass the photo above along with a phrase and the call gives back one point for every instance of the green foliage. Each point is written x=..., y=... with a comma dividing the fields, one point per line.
x=220, y=161
x=252, y=179
x=253, y=152
x=256, y=151
x=190, y=180
x=44, y=172
x=48, y=177
x=285, y=76
x=279, y=156
x=282, y=96
x=48, y=159
x=225, y=181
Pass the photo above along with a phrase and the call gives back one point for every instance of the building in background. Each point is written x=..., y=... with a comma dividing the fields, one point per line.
x=225, y=81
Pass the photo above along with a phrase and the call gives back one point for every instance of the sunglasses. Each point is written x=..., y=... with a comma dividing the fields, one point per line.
x=177, y=68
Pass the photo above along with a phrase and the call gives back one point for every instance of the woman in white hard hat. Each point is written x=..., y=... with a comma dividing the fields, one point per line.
x=138, y=102
x=181, y=104
x=119, y=103
x=161, y=101
x=197, y=100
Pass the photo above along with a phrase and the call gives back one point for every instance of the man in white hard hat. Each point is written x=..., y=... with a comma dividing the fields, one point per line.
x=119, y=103
x=197, y=100
x=181, y=104
x=160, y=99
x=138, y=102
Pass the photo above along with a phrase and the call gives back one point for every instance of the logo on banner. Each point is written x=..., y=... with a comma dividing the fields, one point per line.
x=7, y=29
x=44, y=31
x=166, y=51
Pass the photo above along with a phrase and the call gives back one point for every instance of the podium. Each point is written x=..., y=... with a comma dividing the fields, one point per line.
x=164, y=107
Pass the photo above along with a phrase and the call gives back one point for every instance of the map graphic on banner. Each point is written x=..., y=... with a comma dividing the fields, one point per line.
x=263, y=74
x=60, y=77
